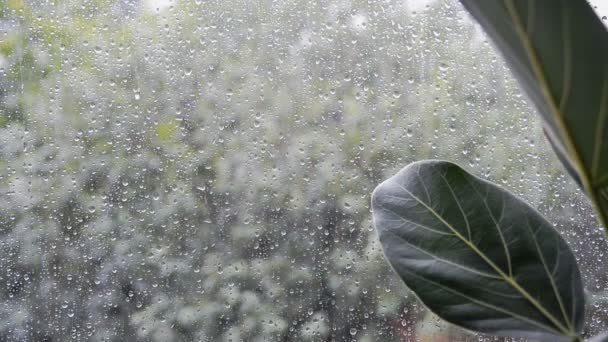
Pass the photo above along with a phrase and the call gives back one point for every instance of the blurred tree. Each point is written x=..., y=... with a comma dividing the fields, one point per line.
x=185, y=171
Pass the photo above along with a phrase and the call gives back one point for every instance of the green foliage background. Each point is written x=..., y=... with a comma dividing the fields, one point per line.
x=202, y=170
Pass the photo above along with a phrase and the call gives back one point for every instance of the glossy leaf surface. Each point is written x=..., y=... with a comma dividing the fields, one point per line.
x=558, y=50
x=477, y=255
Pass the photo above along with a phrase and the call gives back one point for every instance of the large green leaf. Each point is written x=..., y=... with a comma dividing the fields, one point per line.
x=477, y=255
x=558, y=50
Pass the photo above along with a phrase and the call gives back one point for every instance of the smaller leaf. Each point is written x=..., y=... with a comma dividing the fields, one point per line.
x=477, y=255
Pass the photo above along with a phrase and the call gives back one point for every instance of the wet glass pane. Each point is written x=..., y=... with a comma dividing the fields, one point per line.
x=201, y=170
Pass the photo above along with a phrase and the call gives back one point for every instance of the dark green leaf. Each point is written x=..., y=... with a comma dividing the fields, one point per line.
x=477, y=255
x=558, y=50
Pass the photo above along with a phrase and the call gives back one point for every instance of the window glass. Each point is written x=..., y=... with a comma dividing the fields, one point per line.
x=201, y=170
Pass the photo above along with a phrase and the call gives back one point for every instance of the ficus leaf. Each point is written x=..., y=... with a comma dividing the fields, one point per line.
x=477, y=255
x=558, y=50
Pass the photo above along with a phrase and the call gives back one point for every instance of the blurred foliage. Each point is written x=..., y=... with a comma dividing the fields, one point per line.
x=201, y=171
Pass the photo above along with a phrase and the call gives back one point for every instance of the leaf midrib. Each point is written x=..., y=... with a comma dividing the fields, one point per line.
x=600, y=129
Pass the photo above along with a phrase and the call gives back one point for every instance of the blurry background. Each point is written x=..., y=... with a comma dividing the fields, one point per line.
x=201, y=171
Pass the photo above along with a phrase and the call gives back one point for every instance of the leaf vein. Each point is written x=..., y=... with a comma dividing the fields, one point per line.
x=549, y=275
x=440, y=259
x=485, y=304
x=405, y=221
x=464, y=216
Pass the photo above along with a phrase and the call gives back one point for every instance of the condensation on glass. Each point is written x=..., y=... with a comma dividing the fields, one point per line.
x=201, y=171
